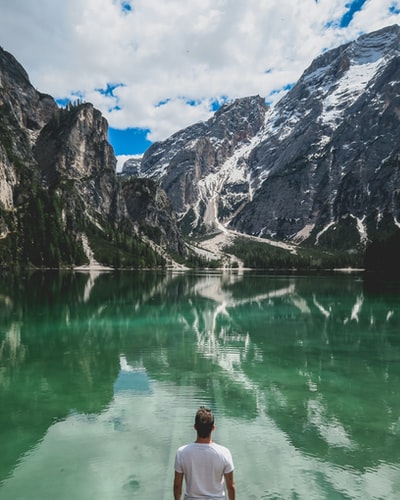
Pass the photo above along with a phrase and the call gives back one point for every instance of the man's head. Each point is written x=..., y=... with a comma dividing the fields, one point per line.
x=204, y=422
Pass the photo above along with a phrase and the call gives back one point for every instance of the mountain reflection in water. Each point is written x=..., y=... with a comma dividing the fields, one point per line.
x=316, y=358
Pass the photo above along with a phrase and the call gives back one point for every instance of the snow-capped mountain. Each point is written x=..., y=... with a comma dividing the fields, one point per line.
x=204, y=168
x=322, y=165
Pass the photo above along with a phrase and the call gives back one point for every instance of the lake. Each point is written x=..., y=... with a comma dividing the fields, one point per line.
x=101, y=375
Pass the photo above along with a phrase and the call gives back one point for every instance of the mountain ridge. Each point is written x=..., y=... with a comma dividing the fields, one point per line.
x=312, y=182
x=319, y=168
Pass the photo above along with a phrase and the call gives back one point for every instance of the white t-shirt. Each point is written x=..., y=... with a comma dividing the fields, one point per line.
x=204, y=466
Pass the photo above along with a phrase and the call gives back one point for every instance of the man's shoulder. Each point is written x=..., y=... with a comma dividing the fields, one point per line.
x=187, y=446
x=220, y=447
x=222, y=450
x=195, y=446
x=225, y=454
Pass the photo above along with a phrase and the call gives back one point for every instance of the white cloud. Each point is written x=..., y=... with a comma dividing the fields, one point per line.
x=174, y=51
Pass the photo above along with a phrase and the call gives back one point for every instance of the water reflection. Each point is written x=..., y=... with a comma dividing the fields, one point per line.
x=316, y=359
x=131, y=380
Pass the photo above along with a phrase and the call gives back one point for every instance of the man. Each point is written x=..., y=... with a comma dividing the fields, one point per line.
x=206, y=466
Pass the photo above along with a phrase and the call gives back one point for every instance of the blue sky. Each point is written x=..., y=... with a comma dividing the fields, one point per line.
x=353, y=8
x=153, y=67
x=129, y=141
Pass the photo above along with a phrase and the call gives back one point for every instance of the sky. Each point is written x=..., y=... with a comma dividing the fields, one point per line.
x=154, y=67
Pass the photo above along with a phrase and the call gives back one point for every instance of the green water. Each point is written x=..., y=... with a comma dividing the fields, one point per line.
x=100, y=377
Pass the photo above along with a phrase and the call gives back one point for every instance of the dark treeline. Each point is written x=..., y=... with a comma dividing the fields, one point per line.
x=40, y=236
x=45, y=235
x=384, y=255
x=257, y=255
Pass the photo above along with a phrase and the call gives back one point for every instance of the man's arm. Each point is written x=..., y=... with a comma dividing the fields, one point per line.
x=230, y=485
x=178, y=480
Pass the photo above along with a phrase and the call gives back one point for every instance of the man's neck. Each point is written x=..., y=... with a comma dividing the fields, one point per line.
x=206, y=440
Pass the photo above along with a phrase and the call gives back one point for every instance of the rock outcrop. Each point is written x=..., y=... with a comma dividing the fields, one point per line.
x=203, y=168
x=72, y=152
x=150, y=208
x=59, y=187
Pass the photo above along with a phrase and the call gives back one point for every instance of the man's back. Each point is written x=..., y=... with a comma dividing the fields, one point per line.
x=207, y=467
x=204, y=467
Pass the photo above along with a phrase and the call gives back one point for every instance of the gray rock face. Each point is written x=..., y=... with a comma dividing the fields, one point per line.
x=321, y=166
x=131, y=167
x=203, y=168
x=23, y=111
x=29, y=108
x=64, y=153
x=73, y=153
x=151, y=210
x=330, y=150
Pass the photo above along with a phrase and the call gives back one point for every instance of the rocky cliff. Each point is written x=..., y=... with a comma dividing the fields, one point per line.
x=59, y=188
x=24, y=112
x=204, y=168
x=327, y=167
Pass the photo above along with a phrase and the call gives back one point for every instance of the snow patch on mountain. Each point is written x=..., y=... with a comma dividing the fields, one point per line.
x=232, y=172
x=281, y=122
x=365, y=58
x=349, y=88
x=362, y=229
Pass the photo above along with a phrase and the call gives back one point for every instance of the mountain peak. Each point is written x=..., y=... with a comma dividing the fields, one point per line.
x=203, y=164
x=311, y=164
x=12, y=69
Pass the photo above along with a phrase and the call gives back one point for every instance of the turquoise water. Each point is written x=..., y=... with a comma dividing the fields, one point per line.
x=100, y=377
